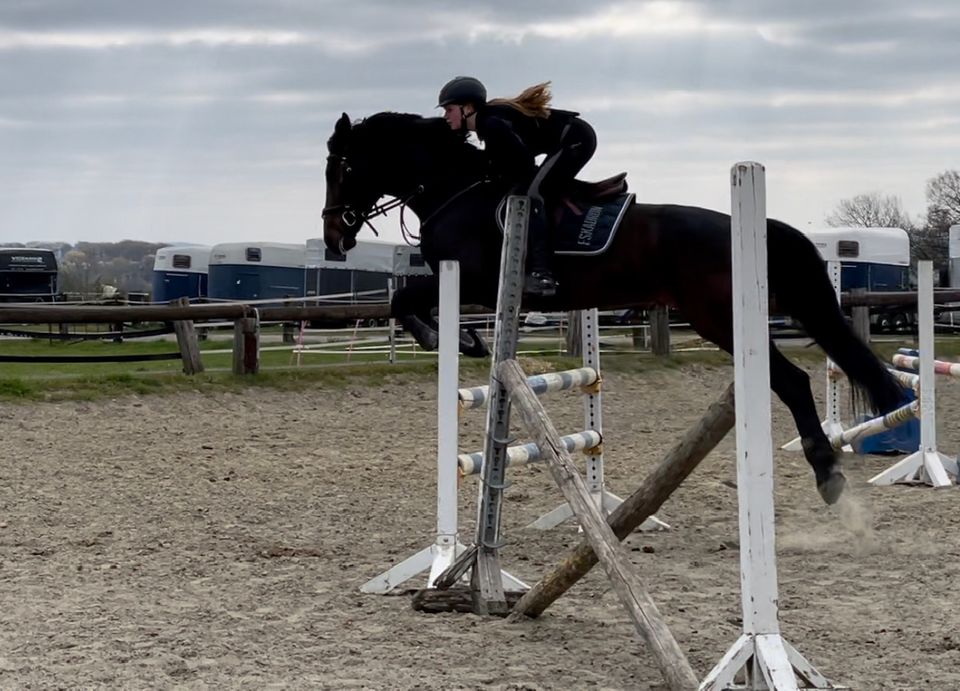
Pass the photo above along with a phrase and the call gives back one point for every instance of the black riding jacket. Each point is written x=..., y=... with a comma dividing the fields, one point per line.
x=512, y=140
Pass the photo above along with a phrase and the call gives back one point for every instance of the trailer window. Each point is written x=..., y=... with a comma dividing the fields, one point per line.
x=848, y=248
x=253, y=254
x=181, y=261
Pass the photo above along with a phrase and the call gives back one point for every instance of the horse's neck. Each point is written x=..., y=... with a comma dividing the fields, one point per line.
x=441, y=192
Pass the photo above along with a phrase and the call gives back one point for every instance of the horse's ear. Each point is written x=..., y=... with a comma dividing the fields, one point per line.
x=343, y=124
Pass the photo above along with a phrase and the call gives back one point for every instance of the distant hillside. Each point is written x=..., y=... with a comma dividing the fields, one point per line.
x=89, y=266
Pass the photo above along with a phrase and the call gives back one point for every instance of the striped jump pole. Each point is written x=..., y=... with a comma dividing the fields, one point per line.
x=906, y=378
x=522, y=454
x=949, y=369
x=926, y=465
x=894, y=418
x=761, y=658
x=477, y=396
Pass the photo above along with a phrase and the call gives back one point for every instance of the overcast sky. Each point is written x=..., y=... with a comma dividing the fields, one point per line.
x=207, y=120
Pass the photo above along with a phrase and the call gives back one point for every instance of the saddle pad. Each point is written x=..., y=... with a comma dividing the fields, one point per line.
x=591, y=231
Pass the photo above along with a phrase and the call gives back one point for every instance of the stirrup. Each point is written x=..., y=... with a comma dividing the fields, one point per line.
x=540, y=284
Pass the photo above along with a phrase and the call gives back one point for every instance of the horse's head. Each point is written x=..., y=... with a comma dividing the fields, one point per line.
x=394, y=154
x=352, y=188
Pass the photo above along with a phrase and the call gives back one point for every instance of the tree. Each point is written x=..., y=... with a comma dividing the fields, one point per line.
x=77, y=273
x=872, y=210
x=943, y=201
x=875, y=210
x=943, y=210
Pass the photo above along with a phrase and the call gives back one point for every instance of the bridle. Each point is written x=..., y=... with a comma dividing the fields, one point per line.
x=353, y=218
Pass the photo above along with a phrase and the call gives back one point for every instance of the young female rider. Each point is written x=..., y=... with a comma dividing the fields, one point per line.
x=514, y=132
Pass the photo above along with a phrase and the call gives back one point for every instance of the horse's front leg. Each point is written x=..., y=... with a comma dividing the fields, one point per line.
x=412, y=307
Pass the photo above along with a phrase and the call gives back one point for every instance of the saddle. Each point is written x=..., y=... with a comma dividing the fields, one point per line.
x=585, y=219
x=583, y=192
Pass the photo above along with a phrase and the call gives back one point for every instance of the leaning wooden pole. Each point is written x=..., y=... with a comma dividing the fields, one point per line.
x=187, y=341
x=644, y=502
x=623, y=575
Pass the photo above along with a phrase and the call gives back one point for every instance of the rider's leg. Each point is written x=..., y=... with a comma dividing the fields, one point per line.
x=555, y=174
x=539, y=281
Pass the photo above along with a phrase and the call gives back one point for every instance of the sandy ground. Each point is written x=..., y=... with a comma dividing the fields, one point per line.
x=199, y=541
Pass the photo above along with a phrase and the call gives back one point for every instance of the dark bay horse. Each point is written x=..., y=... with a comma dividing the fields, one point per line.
x=662, y=254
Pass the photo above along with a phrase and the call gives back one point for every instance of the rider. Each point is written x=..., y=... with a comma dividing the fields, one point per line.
x=514, y=132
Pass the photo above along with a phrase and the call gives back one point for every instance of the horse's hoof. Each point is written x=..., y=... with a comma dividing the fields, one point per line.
x=428, y=341
x=831, y=488
x=471, y=345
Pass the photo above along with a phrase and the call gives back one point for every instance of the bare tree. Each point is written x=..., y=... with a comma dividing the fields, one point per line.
x=873, y=210
x=943, y=200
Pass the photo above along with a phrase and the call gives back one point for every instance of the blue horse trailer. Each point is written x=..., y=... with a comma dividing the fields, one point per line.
x=180, y=271
x=874, y=259
x=256, y=271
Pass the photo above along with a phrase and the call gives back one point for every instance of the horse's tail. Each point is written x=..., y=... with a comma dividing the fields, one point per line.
x=801, y=287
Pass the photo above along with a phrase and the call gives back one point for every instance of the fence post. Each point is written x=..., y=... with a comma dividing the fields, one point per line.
x=574, y=344
x=660, y=330
x=187, y=342
x=246, y=345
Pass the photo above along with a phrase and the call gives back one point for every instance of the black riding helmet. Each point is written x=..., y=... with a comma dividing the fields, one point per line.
x=462, y=90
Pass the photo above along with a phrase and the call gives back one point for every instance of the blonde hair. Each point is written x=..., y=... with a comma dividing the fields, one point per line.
x=533, y=101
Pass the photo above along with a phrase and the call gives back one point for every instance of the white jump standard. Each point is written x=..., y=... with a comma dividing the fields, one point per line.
x=927, y=465
x=760, y=658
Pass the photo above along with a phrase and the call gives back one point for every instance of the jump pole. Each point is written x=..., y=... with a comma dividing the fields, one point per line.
x=926, y=465
x=760, y=658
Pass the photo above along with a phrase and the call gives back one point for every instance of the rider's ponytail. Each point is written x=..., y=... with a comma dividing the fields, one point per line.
x=533, y=101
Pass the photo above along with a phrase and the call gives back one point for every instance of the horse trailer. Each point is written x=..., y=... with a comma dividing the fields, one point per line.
x=29, y=274
x=361, y=275
x=180, y=271
x=872, y=259
x=256, y=271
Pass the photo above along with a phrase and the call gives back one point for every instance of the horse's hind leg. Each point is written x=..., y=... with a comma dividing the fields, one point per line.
x=792, y=386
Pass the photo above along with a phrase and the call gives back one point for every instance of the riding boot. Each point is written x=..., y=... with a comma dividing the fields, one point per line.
x=539, y=281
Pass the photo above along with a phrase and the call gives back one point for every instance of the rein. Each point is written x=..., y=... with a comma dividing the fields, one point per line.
x=353, y=219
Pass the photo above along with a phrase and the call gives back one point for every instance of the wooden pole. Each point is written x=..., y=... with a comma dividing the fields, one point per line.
x=660, y=330
x=626, y=581
x=187, y=342
x=675, y=467
x=246, y=346
x=574, y=335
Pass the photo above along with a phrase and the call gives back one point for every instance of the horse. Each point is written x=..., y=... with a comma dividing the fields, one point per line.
x=662, y=254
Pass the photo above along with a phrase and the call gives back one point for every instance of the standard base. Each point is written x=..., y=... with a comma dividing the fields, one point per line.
x=764, y=662
x=922, y=467
x=610, y=502
x=436, y=558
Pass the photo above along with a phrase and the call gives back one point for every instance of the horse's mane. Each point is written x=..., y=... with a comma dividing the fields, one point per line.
x=431, y=136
